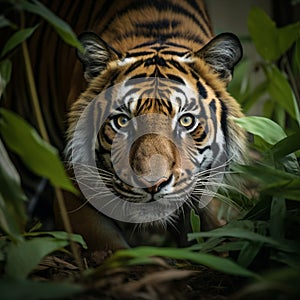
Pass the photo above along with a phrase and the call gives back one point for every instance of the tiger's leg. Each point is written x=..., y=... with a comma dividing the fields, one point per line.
x=99, y=232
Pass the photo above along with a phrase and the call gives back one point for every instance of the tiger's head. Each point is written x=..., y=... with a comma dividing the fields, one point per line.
x=158, y=120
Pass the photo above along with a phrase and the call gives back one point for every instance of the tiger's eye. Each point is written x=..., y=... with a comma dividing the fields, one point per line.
x=187, y=120
x=121, y=121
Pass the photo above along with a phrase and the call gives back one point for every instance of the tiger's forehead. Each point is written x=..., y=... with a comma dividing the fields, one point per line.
x=158, y=95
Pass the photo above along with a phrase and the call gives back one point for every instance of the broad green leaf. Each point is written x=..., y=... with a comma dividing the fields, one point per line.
x=281, y=92
x=5, y=74
x=218, y=263
x=26, y=289
x=38, y=156
x=263, y=33
x=62, y=28
x=265, y=128
x=16, y=39
x=286, y=146
x=62, y=235
x=287, y=36
x=24, y=256
x=271, y=42
x=12, y=206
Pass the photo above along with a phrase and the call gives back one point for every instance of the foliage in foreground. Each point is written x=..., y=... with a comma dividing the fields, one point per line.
x=265, y=240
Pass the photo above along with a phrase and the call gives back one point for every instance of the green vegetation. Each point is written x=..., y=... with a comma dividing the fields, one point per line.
x=262, y=245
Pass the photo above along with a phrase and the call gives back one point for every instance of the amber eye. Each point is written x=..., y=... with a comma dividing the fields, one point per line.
x=187, y=121
x=121, y=121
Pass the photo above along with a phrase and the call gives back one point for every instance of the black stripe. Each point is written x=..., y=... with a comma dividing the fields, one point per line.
x=201, y=89
x=201, y=151
x=224, y=119
x=177, y=65
x=175, y=78
x=134, y=66
x=140, y=53
x=172, y=52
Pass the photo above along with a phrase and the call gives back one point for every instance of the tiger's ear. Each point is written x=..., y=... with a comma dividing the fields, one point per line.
x=222, y=53
x=96, y=54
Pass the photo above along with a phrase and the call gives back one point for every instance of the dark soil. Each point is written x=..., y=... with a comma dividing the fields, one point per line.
x=166, y=279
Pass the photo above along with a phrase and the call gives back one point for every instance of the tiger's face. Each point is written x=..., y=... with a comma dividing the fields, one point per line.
x=161, y=127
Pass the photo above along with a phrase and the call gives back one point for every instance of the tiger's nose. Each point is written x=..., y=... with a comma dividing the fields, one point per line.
x=153, y=187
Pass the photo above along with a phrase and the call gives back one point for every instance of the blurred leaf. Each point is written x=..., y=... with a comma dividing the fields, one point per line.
x=38, y=156
x=286, y=146
x=265, y=128
x=287, y=36
x=16, y=39
x=281, y=92
x=268, y=109
x=271, y=42
x=273, y=181
x=277, y=217
x=62, y=235
x=12, y=209
x=62, y=28
x=218, y=263
x=25, y=289
x=4, y=22
x=263, y=32
x=239, y=85
x=24, y=256
x=195, y=223
x=5, y=74
x=251, y=249
x=254, y=95
x=296, y=58
x=241, y=233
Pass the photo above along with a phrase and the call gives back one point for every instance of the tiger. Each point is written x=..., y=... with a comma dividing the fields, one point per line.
x=151, y=83
x=158, y=117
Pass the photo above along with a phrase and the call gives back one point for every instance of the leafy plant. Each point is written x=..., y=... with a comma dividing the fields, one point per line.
x=20, y=250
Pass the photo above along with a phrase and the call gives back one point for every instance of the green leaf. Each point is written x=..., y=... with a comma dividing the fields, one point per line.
x=265, y=128
x=62, y=28
x=26, y=289
x=271, y=42
x=242, y=234
x=5, y=74
x=218, y=263
x=254, y=95
x=12, y=208
x=195, y=223
x=4, y=22
x=62, y=235
x=281, y=92
x=38, y=156
x=287, y=36
x=263, y=33
x=16, y=39
x=273, y=181
x=24, y=256
x=296, y=58
x=286, y=146
x=277, y=217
